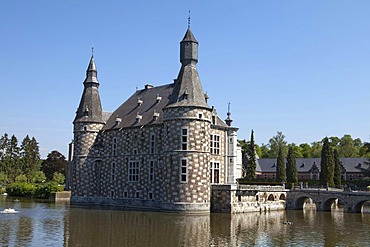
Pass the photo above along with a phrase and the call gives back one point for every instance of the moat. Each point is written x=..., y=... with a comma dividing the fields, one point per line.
x=49, y=224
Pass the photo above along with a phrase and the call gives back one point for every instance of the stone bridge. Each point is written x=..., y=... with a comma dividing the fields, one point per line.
x=324, y=198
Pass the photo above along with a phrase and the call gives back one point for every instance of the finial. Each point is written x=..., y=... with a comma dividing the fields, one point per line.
x=92, y=50
x=228, y=109
x=189, y=18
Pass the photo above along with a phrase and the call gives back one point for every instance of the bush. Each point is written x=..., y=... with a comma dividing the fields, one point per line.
x=44, y=191
x=20, y=189
x=21, y=178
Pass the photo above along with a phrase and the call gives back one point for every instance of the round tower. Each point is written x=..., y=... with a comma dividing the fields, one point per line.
x=187, y=123
x=86, y=126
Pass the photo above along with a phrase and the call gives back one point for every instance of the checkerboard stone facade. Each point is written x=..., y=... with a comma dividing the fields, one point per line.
x=133, y=159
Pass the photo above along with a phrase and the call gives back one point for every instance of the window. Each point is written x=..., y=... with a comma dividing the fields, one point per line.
x=215, y=144
x=133, y=171
x=137, y=194
x=152, y=143
x=151, y=170
x=215, y=172
x=135, y=151
x=150, y=196
x=184, y=139
x=213, y=119
x=113, y=172
x=125, y=194
x=184, y=171
x=200, y=115
x=111, y=193
x=114, y=146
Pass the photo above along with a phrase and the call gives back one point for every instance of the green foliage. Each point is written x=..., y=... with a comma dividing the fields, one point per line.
x=20, y=189
x=327, y=164
x=21, y=178
x=44, y=190
x=39, y=177
x=250, y=170
x=275, y=143
x=30, y=156
x=291, y=169
x=337, y=170
x=15, y=160
x=3, y=179
x=55, y=162
x=280, y=167
x=58, y=178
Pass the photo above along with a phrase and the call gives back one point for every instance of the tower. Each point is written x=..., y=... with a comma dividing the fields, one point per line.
x=187, y=122
x=86, y=126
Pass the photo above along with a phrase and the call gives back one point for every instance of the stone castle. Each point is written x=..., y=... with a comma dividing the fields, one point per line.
x=162, y=149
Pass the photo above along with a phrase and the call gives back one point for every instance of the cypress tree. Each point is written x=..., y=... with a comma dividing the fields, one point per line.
x=327, y=164
x=291, y=167
x=280, y=167
x=337, y=169
x=251, y=164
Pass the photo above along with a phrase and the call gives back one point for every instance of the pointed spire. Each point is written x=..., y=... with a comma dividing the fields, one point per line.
x=91, y=72
x=90, y=109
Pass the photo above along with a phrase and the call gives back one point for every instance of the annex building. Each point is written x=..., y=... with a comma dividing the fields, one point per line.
x=162, y=149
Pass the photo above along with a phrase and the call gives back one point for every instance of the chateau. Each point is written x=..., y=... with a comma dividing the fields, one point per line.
x=162, y=149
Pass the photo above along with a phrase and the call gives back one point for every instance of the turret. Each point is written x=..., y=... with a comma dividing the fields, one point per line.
x=188, y=89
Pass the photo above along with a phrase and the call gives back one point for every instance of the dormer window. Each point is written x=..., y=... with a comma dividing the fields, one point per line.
x=118, y=120
x=155, y=116
x=159, y=98
x=138, y=117
x=139, y=102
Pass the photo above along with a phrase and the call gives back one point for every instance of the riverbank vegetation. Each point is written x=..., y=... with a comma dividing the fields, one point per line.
x=23, y=173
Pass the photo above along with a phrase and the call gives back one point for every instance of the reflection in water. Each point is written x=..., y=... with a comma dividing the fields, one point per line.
x=42, y=224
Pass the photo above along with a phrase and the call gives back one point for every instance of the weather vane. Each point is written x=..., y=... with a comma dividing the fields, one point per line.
x=189, y=20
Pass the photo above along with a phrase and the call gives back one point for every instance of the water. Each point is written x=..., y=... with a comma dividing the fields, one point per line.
x=49, y=224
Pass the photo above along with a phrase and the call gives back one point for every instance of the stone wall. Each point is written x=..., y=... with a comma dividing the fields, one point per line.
x=235, y=199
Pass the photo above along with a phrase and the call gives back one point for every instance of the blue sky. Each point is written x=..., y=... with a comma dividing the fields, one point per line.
x=300, y=67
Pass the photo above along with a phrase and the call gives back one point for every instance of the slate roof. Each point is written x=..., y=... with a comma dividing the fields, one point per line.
x=90, y=109
x=305, y=164
x=139, y=109
x=188, y=89
x=189, y=36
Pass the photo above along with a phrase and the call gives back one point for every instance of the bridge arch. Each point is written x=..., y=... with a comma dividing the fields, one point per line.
x=328, y=203
x=282, y=197
x=357, y=206
x=271, y=197
x=300, y=201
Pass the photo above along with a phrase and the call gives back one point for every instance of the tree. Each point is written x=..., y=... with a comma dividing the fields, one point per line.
x=337, y=169
x=58, y=178
x=305, y=150
x=296, y=149
x=291, y=167
x=39, y=177
x=327, y=164
x=280, y=167
x=251, y=164
x=277, y=142
x=55, y=162
x=347, y=147
x=11, y=160
x=30, y=156
x=316, y=148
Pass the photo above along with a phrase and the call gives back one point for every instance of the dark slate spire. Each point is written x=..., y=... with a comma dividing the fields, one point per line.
x=188, y=89
x=189, y=48
x=90, y=109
